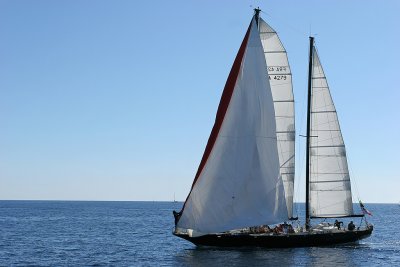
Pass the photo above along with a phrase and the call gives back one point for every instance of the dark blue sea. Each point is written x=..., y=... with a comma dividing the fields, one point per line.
x=85, y=233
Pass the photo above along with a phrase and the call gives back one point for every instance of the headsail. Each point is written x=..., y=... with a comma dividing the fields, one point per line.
x=280, y=78
x=238, y=182
x=330, y=187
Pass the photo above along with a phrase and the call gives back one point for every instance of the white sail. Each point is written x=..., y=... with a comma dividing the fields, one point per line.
x=330, y=188
x=239, y=184
x=280, y=79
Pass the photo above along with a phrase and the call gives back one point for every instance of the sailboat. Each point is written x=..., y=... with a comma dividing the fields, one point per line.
x=245, y=180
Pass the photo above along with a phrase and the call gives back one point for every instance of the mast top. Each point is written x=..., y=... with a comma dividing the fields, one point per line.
x=257, y=14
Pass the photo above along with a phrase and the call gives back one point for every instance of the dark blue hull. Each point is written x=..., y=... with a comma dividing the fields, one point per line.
x=280, y=240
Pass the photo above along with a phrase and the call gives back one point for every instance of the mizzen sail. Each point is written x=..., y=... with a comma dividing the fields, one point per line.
x=280, y=79
x=330, y=187
x=238, y=183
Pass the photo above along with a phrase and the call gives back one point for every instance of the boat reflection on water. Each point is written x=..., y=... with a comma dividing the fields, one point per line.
x=342, y=255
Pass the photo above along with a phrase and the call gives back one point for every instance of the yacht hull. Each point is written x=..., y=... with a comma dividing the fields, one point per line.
x=305, y=239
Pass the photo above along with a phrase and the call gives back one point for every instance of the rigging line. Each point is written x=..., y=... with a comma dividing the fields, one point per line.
x=301, y=156
x=354, y=178
x=287, y=161
x=282, y=21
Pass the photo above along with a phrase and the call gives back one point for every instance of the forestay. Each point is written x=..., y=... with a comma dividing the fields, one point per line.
x=238, y=183
x=330, y=188
x=280, y=78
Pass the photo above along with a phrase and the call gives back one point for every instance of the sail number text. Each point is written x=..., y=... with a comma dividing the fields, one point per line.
x=277, y=68
x=277, y=77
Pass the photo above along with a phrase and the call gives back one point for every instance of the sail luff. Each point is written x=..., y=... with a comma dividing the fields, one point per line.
x=330, y=187
x=239, y=184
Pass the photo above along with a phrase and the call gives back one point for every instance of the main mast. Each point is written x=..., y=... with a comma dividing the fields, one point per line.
x=308, y=134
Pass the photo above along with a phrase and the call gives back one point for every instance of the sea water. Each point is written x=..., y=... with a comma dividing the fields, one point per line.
x=85, y=233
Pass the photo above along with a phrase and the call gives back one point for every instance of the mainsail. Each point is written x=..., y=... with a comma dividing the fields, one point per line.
x=330, y=188
x=238, y=182
x=280, y=79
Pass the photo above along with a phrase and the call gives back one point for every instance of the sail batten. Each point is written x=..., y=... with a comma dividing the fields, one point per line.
x=330, y=187
x=238, y=183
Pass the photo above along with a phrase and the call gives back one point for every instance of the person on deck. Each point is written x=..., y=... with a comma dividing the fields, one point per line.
x=278, y=229
x=265, y=229
x=337, y=224
x=285, y=228
x=351, y=226
x=290, y=229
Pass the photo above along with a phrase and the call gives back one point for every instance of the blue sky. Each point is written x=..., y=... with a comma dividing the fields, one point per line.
x=115, y=100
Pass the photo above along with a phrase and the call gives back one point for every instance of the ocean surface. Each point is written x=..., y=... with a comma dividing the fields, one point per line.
x=85, y=233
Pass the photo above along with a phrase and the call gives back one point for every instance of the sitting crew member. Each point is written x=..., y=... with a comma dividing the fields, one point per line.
x=285, y=228
x=265, y=229
x=278, y=229
x=290, y=229
x=351, y=226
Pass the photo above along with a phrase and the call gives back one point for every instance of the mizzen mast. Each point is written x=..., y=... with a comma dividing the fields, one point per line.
x=309, y=133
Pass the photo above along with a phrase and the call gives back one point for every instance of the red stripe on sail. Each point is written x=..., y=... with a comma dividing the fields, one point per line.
x=222, y=108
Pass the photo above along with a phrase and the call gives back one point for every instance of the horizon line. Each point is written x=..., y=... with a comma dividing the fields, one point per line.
x=177, y=201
